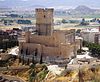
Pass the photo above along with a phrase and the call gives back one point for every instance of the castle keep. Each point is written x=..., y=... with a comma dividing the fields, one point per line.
x=44, y=21
x=53, y=45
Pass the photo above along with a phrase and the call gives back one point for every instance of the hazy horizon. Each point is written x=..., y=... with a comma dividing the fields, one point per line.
x=50, y=3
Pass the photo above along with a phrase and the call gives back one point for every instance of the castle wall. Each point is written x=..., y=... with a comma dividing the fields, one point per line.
x=55, y=40
x=51, y=51
x=31, y=48
x=43, y=40
x=63, y=51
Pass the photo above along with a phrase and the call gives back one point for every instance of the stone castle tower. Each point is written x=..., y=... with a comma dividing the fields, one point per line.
x=54, y=46
x=44, y=21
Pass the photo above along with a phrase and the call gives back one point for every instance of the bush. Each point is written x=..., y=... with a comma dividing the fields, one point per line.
x=94, y=48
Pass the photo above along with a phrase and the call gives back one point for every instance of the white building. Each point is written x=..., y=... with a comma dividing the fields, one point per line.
x=89, y=34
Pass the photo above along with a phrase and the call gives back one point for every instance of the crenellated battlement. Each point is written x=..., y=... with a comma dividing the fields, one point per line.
x=44, y=9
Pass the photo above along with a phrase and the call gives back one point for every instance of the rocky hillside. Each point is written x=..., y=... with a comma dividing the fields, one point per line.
x=87, y=74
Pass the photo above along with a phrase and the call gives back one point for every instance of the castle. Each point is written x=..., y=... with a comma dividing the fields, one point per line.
x=55, y=46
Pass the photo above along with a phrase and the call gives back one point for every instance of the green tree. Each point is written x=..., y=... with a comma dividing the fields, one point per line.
x=94, y=48
x=83, y=22
x=41, y=59
x=64, y=21
x=23, y=62
x=20, y=60
x=28, y=61
x=33, y=59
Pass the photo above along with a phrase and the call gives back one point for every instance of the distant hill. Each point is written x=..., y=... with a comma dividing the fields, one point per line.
x=80, y=10
x=82, y=7
x=84, y=10
x=30, y=7
x=63, y=11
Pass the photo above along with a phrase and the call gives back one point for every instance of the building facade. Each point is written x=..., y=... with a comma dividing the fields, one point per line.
x=90, y=35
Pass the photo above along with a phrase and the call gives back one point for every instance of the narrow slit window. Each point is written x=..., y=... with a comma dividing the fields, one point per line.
x=44, y=16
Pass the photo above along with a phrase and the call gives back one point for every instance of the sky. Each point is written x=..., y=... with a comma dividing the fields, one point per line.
x=50, y=3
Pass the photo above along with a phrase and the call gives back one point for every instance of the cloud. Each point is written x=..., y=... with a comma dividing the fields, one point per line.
x=2, y=0
x=17, y=0
x=24, y=0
